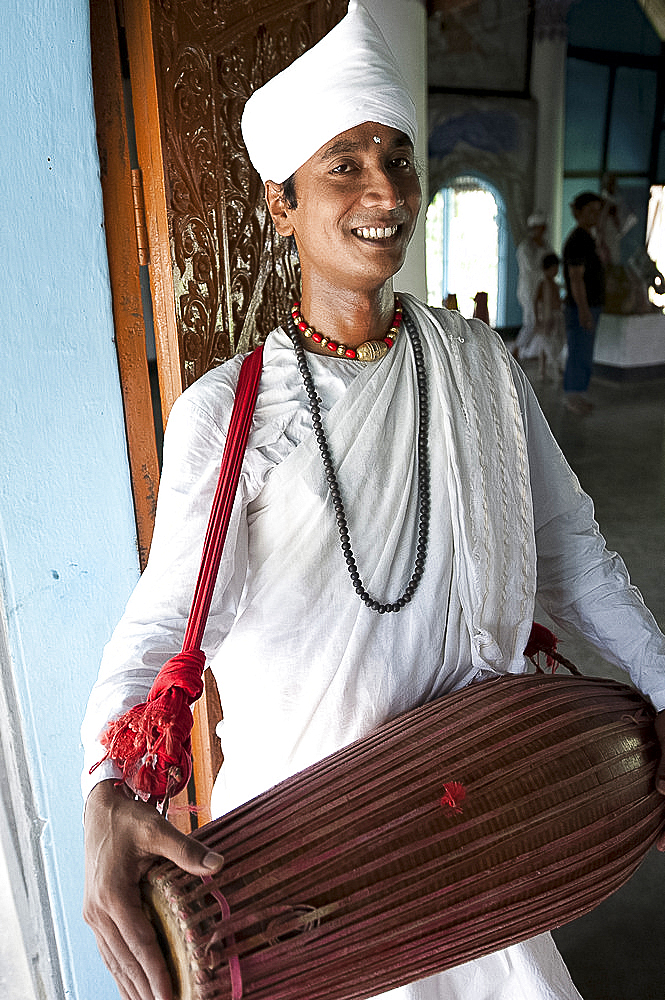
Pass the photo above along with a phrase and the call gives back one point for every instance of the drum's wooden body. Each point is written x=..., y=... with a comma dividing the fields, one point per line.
x=351, y=877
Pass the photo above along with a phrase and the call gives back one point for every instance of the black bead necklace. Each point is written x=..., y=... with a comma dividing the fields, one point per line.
x=423, y=470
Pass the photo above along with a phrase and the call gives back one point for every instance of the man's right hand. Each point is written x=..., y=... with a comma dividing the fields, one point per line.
x=123, y=838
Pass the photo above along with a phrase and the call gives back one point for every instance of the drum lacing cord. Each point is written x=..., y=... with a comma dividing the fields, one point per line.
x=234, y=960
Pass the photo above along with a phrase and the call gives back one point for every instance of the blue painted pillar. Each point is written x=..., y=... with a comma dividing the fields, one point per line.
x=67, y=538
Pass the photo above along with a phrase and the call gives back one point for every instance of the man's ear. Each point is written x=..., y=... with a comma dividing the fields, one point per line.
x=278, y=208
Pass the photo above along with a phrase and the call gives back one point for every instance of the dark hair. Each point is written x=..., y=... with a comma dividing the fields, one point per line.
x=550, y=260
x=584, y=199
x=289, y=191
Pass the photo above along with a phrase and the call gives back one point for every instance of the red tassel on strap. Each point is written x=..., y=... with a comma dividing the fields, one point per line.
x=151, y=743
x=541, y=640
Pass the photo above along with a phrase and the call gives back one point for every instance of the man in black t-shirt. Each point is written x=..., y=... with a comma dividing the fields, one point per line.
x=584, y=274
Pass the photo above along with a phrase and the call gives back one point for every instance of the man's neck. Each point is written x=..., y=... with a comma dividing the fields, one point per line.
x=349, y=317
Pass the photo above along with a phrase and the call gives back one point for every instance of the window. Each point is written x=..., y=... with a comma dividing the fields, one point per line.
x=466, y=246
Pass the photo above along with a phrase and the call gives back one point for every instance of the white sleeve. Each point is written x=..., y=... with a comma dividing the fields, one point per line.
x=152, y=627
x=581, y=584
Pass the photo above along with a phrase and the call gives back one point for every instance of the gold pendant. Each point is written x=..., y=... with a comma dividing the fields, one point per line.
x=372, y=350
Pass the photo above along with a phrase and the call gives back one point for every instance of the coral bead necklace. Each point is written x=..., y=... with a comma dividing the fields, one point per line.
x=370, y=350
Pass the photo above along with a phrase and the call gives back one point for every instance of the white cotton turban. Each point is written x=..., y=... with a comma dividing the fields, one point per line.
x=349, y=77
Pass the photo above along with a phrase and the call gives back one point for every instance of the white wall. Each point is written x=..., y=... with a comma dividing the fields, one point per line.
x=67, y=538
x=548, y=86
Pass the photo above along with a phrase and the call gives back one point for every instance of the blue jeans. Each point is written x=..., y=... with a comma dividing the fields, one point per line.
x=577, y=375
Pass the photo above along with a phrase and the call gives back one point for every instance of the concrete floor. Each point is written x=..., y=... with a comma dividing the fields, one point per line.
x=617, y=952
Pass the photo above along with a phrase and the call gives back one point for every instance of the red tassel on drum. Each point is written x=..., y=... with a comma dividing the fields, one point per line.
x=454, y=794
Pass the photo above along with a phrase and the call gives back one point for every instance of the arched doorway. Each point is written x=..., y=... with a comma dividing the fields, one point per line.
x=467, y=245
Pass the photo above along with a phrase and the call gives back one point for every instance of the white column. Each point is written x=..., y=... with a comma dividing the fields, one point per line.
x=404, y=24
x=548, y=87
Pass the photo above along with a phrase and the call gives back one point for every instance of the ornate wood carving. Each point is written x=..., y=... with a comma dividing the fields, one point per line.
x=232, y=275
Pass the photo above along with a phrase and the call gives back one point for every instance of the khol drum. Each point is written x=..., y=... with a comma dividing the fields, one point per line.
x=469, y=824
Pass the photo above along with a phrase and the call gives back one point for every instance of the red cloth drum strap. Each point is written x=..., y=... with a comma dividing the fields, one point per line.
x=151, y=743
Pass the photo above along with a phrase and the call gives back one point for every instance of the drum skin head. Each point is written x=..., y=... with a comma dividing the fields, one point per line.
x=172, y=939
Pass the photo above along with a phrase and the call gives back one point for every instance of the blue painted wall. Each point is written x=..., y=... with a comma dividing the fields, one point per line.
x=67, y=537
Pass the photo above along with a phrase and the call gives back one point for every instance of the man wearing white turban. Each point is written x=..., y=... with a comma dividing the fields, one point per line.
x=313, y=647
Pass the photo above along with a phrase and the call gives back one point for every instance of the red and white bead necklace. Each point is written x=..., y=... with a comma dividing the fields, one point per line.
x=370, y=350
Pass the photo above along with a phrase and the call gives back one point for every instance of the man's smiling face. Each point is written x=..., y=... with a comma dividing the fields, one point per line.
x=357, y=204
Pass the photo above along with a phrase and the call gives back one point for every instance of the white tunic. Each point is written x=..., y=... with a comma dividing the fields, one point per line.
x=303, y=667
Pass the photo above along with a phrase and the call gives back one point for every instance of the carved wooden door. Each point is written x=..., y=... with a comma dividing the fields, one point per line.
x=220, y=278
x=193, y=65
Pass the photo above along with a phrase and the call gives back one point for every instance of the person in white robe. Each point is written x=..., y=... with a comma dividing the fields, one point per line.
x=302, y=664
x=531, y=252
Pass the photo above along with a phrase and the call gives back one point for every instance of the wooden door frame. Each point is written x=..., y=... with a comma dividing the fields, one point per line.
x=123, y=256
x=145, y=104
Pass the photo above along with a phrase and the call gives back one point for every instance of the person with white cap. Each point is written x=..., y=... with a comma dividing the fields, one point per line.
x=390, y=557
x=530, y=253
